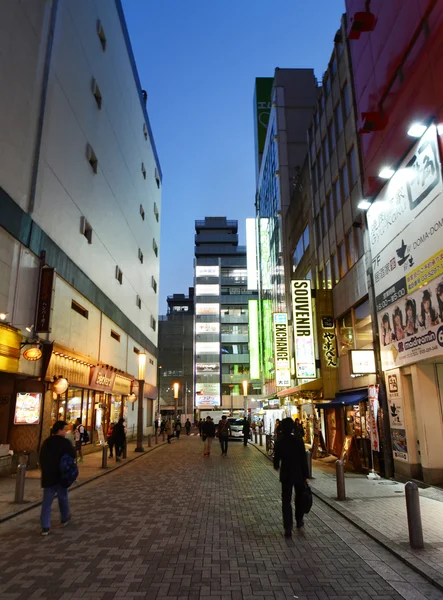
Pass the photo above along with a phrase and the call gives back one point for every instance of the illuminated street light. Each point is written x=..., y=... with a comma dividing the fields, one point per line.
x=416, y=130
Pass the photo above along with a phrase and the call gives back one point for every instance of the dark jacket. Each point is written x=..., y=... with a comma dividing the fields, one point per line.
x=224, y=428
x=119, y=434
x=208, y=429
x=52, y=450
x=290, y=457
x=246, y=427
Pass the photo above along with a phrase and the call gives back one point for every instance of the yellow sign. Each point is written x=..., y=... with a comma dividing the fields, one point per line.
x=10, y=340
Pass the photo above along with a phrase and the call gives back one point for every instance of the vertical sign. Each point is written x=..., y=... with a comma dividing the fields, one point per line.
x=373, y=415
x=303, y=329
x=396, y=415
x=251, y=254
x=281, y=350
x=262, y=110
x=254, y=357
x=44, y=306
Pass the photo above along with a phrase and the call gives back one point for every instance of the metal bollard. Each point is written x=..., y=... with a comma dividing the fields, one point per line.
x=20, y=484
x=104, y=456
x=340, y=472
x=125, y=451
x=309, y=459
x=149, y=440
x=414, y=516
x=261, y=438
x=255, y=436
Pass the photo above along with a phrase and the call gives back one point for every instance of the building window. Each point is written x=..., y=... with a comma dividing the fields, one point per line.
x=101, y=35
x=300, y=249
x=79, y=309
x=346, y=99
x=155, y=247
x=86, y=229
x=328, y=277
x=342, y=259
x=352, y=250
x=119, y=275
x=138, y=301
x=352, y=162
x=154, y=284
x=327, y=86
x=330, y=205
x=344, y=180
x=337, y=194
x=145, y=131
x=318, y=232
x=314, y=178
x=156, y=212
x=331, y=137
x=319, y=166
x=115, y=335
x=310, y=135
x=153, y=323
x=338, y=116
x=345, y=334
x=325, y=153
x=354, y=329
x=92, y=158
x=335, y=268
x=324, y=214
x=97, y=94
x=320, y=279
x=143, y=171
x=142, y=212
x=333, y=66
x=140, y=255
x=157, y=177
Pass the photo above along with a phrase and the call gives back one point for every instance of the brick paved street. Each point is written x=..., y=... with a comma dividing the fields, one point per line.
x=175, y=526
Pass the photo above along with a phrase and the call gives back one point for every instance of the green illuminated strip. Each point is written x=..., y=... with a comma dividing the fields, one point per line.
x=254, y=363
x=268, y=342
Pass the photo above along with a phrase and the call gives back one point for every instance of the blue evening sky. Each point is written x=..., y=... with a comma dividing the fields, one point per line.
x=198, y=60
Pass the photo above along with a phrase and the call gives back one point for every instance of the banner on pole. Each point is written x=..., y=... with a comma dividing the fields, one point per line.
x=373, y=415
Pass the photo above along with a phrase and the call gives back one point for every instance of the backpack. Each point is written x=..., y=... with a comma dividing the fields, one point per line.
x=224, y=427
x=68, y=470
x=84, y=436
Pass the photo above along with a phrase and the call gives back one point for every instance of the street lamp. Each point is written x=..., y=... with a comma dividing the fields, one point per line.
x=175, y=387
x=245, y=398
x=141, y=387
x=159, y=391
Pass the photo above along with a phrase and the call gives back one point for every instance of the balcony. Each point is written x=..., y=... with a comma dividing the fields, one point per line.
x=234, y=319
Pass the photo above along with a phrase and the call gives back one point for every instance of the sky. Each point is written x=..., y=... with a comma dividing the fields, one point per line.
x=198, y=60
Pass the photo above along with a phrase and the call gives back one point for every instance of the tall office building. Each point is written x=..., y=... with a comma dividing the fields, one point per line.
x=79, y=239
x=221, y=349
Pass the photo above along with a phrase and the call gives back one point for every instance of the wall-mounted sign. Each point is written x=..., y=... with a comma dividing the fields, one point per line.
x=303, y=329
x=207, y=368
x=399, y=444
x=208, y=389
x=362, y=362
x=265, y=254
x=202, y=401
x=207, y=289
x=202, y=308
x=60, y=385
x=373, y=416
x=33, y=353
x=102, y=379
x=207, y=271
x=207, y=328
x=207, y=348
x=281, y=350
x=254, y=360
x=251, y=254
x=27, y=409
x=44, y=305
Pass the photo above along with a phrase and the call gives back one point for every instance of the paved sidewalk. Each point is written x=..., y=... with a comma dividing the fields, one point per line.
x=176, y=526
x=378, y=507
x=88, y=470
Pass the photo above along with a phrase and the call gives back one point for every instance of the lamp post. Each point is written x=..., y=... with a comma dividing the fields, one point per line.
x=245, y=398
x=141, y=387
x=159, y=391
x=176, y=387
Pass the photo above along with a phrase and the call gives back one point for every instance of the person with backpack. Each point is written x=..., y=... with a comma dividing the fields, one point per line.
x=188, y=426
x=224, y=429
x=119, y=438
x=208, y=434
x=110, y=439
x=178, y=428
x=290, y=458
x=79, y=433
x=59, y=471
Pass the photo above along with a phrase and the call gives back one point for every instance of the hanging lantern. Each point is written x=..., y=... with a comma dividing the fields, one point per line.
x=60, y=385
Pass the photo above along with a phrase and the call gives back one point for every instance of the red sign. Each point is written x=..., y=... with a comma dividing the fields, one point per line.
x=373, y=414
x=102, y=379
x=43, y=319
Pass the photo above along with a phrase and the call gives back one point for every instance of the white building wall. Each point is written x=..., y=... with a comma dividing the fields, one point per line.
x=110, y=200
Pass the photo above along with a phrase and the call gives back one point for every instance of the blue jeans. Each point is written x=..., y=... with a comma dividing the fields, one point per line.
x=63, y=503
x=224, y=443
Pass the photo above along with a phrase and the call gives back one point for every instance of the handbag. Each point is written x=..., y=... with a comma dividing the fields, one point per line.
x=307, y=499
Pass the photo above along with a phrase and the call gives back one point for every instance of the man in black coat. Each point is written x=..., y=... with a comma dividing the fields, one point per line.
x=246, y=430
x=53, y=448
x=290, y=458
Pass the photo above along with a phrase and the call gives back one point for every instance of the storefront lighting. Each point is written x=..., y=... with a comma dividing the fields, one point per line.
x=60, y=385
x=363, y=205
x=416, y=130
x=386, y=173
x=29, y=328
x=3, y=316
x=33, y=353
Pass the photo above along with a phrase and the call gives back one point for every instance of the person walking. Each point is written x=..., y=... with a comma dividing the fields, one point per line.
x=290, y=458
x=169, y=430
x=208, y=435
x=79, y=432
x=188, y=426
x=277, y=430
x=52, y=450
x=155, y=426
x=163, y=427
x=224, y=429
x=110, y=439
x=200, y=425
x=299, y=429
x=246, y=430
x=178, y=429
x=119, y=438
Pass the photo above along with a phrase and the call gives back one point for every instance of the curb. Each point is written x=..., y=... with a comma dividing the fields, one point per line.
x=106, y=471
x=411, y=560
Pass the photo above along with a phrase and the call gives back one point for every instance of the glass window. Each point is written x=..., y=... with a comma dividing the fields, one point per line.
x=335, y=269
x=327, y=86
x=330, y=203
x=314, y=178
x=352, y=254
x=324, y=214
x=342, y=260
x=310, y=135
x=337, y=194
x=318, y=229
x=333, y=66
x=352, y=162
x=338, y=115
x=325, y=153
x=346, y=98
x=320, y=279
x=344, y=181
x=319, y=166
x=306, y=238
x=345, y=334
x=74, y=405
x=309, y=275
x=331, y=137
x=359, y=243
x=363, y=326
x=316, y=120
x=328, y=276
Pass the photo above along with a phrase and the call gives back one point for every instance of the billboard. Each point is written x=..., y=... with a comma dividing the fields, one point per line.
x=207, y=271
x=208, y=389
x=305, y=367
x=207, y=368
x=251, y=254
x=207, y=347
x=281, y=350
x=207, y=289
x=27, y=409
x=207, y=328
x=405, y=231
x=254, y=358
x=262, y=110
x=207, y=309
x=210, y=401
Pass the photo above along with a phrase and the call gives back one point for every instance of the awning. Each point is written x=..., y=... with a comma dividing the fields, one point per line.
x=346, y=399
x=312, y=386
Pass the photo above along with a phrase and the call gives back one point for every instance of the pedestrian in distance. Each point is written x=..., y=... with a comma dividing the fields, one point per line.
x=200, y=425
x=298, y=429
x=155, y=426
x=188, y=426
x=110, y=439
x=169, y=430
x=55, y=449
x=246, y=429
x=277, y=429
x=290, y=458
x=208, y=435
x=79, y=432
x=224, y=429
x=119, y=439
x=163, y=426
x=178, y=429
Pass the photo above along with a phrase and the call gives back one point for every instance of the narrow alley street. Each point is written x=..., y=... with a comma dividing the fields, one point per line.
x=175, y=526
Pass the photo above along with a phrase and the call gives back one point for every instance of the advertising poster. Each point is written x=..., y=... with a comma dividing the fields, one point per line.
x=27, y=409
x=206, y=401
x=211, y=389
x=207, y=368
x=373, y=415
x=303, y=329
x=405, y=231
x=399, y=444
x=207, y=328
